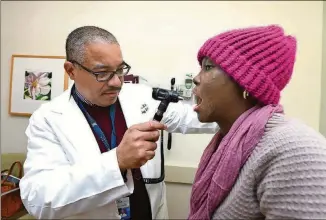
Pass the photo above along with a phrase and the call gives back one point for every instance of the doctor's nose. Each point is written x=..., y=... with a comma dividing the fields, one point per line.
x=115, y=81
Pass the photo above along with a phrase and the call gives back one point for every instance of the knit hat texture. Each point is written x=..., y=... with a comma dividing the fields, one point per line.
x=259, y=59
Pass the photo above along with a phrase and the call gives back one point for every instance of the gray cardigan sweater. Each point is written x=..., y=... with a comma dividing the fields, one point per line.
x=284, y=178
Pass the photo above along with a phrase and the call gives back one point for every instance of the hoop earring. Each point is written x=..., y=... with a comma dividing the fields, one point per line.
x=245, y=94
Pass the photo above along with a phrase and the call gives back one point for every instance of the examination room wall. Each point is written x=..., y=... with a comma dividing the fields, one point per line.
x=323, y=79
x=160, y=40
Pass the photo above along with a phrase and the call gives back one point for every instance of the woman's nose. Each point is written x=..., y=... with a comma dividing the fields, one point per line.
x=196, y=80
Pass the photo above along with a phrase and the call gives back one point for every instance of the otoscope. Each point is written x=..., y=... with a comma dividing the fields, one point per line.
x=165, y=96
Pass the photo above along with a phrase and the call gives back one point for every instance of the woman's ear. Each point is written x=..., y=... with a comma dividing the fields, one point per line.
x=250, y=99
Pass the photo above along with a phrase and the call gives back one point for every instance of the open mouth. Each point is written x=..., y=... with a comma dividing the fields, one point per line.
x=198, y=102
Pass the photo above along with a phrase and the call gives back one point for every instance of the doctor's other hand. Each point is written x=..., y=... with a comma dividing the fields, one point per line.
x=138, y=144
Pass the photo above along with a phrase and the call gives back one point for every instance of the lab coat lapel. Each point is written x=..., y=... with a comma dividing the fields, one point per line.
x=137, y=103
x=76, y=128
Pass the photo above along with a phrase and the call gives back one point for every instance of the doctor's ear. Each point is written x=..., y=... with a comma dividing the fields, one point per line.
x=69, y=67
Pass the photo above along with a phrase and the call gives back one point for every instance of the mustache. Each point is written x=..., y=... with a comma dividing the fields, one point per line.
x=112, y=89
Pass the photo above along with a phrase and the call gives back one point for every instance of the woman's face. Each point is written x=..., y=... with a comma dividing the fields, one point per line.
x=215, y=92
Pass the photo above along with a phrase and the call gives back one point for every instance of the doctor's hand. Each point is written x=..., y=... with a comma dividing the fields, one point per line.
x=138, y=144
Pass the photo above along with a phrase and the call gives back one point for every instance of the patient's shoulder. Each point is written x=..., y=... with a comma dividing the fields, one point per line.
x=285, y=140
x=291, y=133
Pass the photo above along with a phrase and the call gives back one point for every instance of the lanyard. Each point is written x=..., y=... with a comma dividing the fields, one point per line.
x=98, y=131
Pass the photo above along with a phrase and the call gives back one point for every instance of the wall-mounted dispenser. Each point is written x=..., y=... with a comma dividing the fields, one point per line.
x=185, y=90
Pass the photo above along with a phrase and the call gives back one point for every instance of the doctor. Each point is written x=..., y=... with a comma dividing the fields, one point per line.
x=90, y=148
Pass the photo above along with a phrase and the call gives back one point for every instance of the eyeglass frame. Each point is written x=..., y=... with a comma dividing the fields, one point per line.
x=96, y=74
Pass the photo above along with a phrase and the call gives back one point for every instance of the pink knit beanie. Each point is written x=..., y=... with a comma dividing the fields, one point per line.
x=259, y=59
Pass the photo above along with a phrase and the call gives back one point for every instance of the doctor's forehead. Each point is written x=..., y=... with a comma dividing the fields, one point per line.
x=104, y=55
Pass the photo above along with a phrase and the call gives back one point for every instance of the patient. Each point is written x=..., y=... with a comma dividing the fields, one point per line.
x=261, y=164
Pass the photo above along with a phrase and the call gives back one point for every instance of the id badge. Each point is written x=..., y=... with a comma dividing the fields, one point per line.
x=123, y=205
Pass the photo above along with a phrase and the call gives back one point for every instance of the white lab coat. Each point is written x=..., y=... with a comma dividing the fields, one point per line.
x=66, y=176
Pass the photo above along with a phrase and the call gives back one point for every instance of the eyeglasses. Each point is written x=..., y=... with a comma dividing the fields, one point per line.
x=103, y=76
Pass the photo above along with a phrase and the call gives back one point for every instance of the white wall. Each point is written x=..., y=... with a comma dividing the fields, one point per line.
x=160, y=40
x=323, y=80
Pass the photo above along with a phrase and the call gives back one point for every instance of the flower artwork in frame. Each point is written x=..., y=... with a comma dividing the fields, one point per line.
x=35, y=80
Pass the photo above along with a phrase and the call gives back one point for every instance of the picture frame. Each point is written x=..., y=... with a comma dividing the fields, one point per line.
x=34, y=80
x=68, y=82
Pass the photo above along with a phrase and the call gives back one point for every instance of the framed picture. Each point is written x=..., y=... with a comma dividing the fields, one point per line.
x=68, y=82
x=35, y=80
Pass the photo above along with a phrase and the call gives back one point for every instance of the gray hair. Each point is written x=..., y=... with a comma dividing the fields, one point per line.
x=78, y=38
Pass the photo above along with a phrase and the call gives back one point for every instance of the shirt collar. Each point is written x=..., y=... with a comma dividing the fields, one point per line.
x=83, y=99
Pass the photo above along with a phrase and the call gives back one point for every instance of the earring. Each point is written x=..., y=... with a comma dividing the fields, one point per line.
x=245, y=94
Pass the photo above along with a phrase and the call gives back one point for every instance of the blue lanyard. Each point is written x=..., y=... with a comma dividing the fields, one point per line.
x=98, y=131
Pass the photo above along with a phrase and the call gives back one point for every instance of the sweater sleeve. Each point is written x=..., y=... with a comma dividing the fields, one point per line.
x=293, y=185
